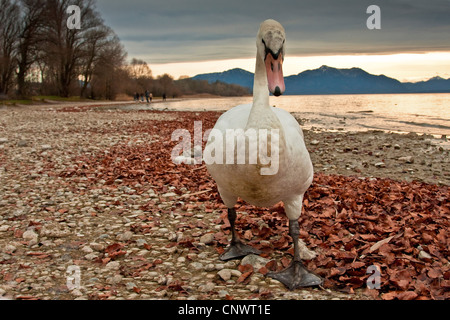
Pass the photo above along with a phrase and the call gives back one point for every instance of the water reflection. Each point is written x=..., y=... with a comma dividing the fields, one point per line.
x=422, y=113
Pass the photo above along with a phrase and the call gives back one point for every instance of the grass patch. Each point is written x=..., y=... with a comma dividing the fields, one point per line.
x=40, y=99
x=14, y=102
x=56, y=98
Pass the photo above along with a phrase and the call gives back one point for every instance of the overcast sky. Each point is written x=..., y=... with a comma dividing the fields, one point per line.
x=170, y=31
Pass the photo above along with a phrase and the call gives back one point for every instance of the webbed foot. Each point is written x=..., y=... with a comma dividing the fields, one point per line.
x=238, y=250
x=296, y=276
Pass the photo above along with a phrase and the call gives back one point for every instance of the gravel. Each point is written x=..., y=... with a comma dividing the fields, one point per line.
x=55, y=230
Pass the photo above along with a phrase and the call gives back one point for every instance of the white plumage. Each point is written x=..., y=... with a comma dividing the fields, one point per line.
x=295, y=170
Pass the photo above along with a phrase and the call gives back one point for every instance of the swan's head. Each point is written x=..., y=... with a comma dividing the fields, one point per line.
x=270, y=43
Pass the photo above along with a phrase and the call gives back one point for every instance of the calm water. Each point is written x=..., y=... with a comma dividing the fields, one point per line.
x=421, y=113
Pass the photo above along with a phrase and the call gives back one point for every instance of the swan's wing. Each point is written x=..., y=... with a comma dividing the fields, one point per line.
x=235, y=118
x=290, y=124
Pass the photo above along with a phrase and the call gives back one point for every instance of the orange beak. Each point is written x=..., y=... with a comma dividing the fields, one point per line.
x=274, y=69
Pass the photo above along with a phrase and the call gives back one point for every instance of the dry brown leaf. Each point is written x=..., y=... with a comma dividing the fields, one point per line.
x=377, y=245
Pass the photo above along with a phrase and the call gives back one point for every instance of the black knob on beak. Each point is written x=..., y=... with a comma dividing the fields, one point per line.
x=277, y=92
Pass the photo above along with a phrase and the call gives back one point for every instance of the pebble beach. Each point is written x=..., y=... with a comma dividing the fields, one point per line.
x=92, y=190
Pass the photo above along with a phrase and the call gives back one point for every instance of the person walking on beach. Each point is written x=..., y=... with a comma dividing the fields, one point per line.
x=151, y=97
x=147, y=95
x=164, y=96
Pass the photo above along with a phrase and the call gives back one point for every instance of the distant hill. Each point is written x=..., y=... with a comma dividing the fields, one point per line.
x=328, y=80
x=435, y=84
x=234, y=76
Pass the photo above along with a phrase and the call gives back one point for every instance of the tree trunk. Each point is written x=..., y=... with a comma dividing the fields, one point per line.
x=23, y=67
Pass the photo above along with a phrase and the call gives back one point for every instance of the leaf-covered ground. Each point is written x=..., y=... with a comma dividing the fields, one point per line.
x=352, y=223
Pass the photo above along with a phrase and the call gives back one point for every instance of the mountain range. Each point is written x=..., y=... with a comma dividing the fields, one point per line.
x=328, y=80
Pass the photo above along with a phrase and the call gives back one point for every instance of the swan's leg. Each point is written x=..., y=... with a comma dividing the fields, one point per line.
x=236, y=249
x=296, y=275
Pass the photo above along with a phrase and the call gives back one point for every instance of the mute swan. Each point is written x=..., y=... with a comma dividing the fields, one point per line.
x=295, y=170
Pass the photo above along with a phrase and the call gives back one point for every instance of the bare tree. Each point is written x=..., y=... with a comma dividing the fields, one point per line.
x=141, y=74
x=30, y=36
x=139, y=69
x=9, y=30
x=109, y=74
x=166, y=85
x=96, y=40
x=67, y=46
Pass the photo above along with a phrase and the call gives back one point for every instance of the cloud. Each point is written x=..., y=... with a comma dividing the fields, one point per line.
x=164, y=31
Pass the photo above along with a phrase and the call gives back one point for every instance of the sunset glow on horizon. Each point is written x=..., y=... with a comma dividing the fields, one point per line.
x=405, y=67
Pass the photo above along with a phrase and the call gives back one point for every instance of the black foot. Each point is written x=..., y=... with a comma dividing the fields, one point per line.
x=238, y=250
x=296, y=276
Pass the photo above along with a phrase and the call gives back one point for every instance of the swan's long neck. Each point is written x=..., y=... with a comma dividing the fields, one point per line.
x=261, y=114
x=260, y=85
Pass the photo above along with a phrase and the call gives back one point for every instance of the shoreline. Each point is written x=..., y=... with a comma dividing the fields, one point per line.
x=302, y=118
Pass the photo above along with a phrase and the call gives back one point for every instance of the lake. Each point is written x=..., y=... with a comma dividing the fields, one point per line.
x=421, y=113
